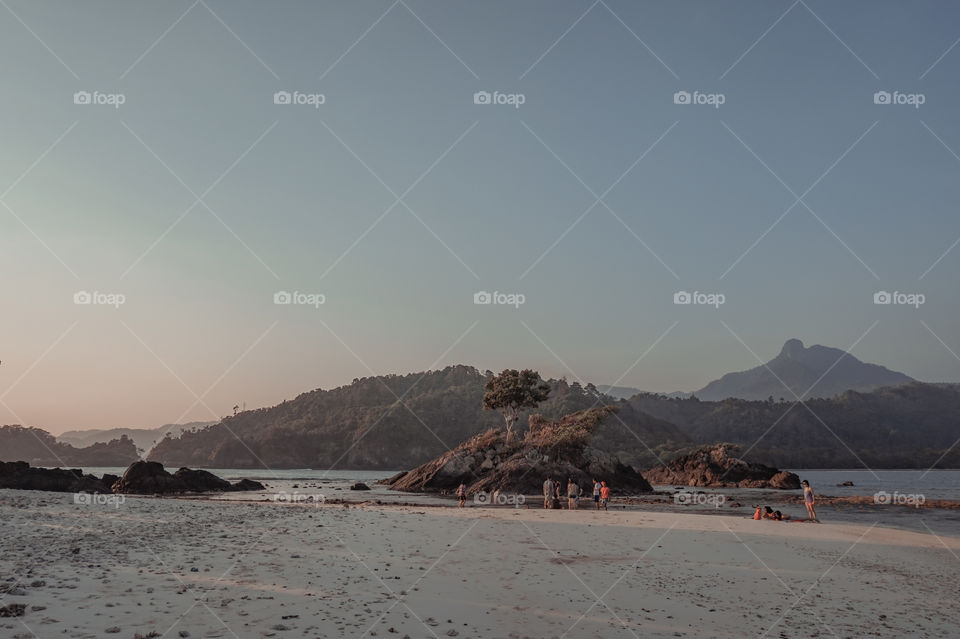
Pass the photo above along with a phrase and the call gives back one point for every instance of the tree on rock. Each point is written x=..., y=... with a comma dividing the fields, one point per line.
x=512, y=391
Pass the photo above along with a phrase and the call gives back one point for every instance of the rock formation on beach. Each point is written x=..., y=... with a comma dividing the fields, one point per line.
x=21, y=475
x=149, y=478
x=716, y=467
x=559, y=449
x=145, y=478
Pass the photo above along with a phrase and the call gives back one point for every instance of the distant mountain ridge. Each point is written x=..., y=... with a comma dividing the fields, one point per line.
x=817, y=371
x=143, y=438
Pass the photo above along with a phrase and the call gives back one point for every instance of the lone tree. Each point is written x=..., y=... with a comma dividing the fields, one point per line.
x=511, y=391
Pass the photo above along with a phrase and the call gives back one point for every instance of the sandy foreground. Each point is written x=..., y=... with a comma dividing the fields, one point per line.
x=203, y=568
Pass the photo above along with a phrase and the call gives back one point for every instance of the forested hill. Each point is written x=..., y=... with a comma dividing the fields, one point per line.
x=915, y=425
x=39, y=448
x=363, y=425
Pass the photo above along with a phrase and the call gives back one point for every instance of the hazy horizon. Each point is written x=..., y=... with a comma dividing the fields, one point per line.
x=173, y=173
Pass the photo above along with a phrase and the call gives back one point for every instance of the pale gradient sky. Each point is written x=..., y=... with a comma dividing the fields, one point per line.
x=92, y=197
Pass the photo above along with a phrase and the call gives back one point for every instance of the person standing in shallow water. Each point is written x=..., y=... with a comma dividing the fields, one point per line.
x=808, y=500
x=604, y=494
x=548, y=490
x=573, y=494
x=596, y=493
x=461, y=495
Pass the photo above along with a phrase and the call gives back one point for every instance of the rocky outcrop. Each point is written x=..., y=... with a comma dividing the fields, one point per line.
x=22, y=476
x=143, y=478
x=716, y=467
x=149, y=478
x=489, y=463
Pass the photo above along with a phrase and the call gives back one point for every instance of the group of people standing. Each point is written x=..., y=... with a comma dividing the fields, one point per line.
x=553, y=493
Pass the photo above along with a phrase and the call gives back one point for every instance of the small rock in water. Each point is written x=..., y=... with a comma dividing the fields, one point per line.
x=113, y=630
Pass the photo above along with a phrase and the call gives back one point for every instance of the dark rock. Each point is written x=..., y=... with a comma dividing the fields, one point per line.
x=845, y=483
x=12, y=610
x=359, y=486
x=21, y=475
x=716, y=467
x=247, y=484
x=148, y=478
x=201, y=481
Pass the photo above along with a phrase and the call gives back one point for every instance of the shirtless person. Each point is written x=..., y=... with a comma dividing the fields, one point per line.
x=573, y=494
x=548, y=490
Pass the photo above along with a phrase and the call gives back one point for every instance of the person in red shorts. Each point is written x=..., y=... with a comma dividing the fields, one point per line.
x=604, y=494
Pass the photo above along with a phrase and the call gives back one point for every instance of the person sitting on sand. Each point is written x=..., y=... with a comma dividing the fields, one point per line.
x=604, y=494
x=461, y=495
x=808, y=500
x=548, y=490
x=596, y=493
x=573, y=494
x=758, y=513
x=768, y=513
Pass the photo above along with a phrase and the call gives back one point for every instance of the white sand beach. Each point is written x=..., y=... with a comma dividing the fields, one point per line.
x=203, y=568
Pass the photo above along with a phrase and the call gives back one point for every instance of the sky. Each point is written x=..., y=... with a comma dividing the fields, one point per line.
x=209, y=204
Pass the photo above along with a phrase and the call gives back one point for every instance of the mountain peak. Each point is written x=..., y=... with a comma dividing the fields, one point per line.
x=803, y=372
x=792, y=348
